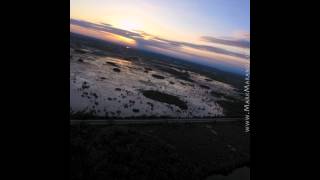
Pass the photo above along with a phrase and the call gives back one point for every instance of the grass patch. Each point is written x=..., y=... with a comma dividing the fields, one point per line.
x=80, y=51
x=231, y=105
x=112, y=64
x=116, y=69
x=204, y=86
x=165, y=98
x=180, y=75
x=217, y=94
x=157, y=76
x=84, y=114
x=232, y=108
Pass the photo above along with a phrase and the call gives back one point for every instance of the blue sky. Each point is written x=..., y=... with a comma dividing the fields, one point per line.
x=211, y=17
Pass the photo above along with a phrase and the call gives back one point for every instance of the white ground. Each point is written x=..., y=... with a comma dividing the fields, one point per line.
x=93, y=81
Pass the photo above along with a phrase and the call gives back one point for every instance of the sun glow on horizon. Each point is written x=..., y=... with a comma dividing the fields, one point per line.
x=129, y=24
x=125, y=40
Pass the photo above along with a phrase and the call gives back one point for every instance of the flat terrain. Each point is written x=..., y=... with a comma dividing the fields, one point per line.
x=166, y=151
x=119, y=84
x=140, y=115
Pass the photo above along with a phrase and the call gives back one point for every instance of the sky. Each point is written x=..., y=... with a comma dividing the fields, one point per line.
x=211, y=32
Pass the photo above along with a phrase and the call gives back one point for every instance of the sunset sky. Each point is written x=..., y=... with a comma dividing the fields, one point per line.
x=211, y=32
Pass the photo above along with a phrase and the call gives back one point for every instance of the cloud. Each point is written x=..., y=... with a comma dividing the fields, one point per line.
x=216, y=50
x=104, y=28
x=244, y=42
x=144, y=40
x=242, y=35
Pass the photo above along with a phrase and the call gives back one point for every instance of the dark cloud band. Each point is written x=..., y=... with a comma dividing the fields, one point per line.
x=237, y=43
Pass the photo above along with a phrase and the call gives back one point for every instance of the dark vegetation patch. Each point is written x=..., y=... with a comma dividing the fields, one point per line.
x=191, y=85
x=183, y=83
x=92, y=114
x=112, y=64
x=226, y=96
x=94, y=95
x=157, y=76
x=178, y=74
x=136, y=110
x=84, y=114
x=132, y=58
x=80, y=60
x=232, y=107
x=116, y=69
x=204, y=86
x=146, y=69
x=80, y=51
x=171, y=82
x=85, y=85
x=117, y=89
x=217, y=94
x=165, y=98
x=148, y=83
x=150, y=104
x=85, y=94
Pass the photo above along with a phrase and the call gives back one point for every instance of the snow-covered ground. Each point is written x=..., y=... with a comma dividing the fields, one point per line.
x=97, y=86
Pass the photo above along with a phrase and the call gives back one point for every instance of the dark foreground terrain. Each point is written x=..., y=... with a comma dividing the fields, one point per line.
x=158, y=151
